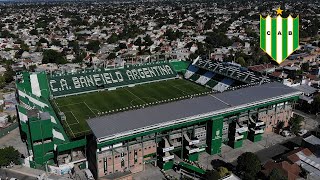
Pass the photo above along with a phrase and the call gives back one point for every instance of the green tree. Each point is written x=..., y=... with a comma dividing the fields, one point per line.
x=113, y=38
x=8, y=155
x=280, y=125
x=248, y=165
x=212, y=175
x=34, y=32
x=222, y=171
x=241, y=61
x=24, y=47
x=147, y=40
x=52, y=56
x=138, y=42
x=305, y=67
x=56, y=43
x=276, y=175
x=32, y=68
x=112, y=56
x=316, y=104
x=122, y=46
x=9, y=74
x=93, y=45
x=295, y=123
x=2, y=82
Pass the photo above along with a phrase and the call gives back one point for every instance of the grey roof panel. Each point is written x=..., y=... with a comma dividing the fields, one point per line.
x=124, y=121
x=255, y=93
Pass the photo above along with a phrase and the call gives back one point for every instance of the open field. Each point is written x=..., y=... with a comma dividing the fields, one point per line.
x=79, y=108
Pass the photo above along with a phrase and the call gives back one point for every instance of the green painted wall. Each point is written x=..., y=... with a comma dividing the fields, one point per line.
x=255, y=138
x=214, y=135
x=235, y=144
x=167, y=165
x=193, y=157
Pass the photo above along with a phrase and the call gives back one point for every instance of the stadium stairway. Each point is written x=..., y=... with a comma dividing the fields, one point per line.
x=205, y=78
x=190, y=71
x=223, y=85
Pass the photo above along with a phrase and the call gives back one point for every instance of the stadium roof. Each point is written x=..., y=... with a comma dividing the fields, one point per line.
x=125, y=122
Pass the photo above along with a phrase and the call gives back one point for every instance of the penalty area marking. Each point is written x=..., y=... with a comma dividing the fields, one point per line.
x=74, y=117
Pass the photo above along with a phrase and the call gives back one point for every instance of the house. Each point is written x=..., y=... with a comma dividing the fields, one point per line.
x=263, y=68
x=290, y=170
x=304, y=158
x=308, y=92
x=313, y=143
x=3, y=119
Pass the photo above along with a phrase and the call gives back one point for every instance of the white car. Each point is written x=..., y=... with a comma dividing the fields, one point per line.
x=302, y=132
x=286, y=133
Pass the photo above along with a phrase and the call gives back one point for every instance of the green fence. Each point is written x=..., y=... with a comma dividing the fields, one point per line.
x=6, y=130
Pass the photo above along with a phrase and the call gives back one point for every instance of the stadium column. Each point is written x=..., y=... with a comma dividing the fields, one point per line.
x=214, y=135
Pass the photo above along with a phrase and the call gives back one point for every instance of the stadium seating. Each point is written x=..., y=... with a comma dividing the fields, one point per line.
x=190, y=71
x=205, y=78
x=223, y=85
x=228, y=70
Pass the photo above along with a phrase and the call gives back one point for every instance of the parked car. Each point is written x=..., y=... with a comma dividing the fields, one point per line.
x=302, y=132
x=88, y=174
x=286, y=133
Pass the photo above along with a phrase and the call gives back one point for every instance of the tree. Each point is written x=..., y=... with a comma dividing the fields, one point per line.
x=52, y=56
x=280, y=125
x=34, y=32
x=305, y=67
x=241, y=61
x=222, y=171
x=8, y=155
x=93, y=45
x=276, y=175
x=122, y=46
x=138, y=42
x=24, y=47
x=217, y=174
x=113, y=38
x=9, y=74
x=147, y=40
x=248, y=165
x=112, y=56
x=295, y=123
x=212, y=175
x=316, y=104
x=2, y=82
x=56, y=43
x=32, y=68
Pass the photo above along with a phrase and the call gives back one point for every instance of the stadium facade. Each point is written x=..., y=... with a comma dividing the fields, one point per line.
x=165, y=133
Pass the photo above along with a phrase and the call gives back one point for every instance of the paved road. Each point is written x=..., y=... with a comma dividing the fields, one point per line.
x=13, y=139
x=4, y=173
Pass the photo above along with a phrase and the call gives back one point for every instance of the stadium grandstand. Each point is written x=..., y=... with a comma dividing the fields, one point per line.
x=115, y=120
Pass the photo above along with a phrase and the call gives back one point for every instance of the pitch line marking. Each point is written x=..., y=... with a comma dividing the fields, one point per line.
x=184, y=92
x=89, y=108
x=135, y=95
x=71, y=104
x=74, y=117
x=70, y=128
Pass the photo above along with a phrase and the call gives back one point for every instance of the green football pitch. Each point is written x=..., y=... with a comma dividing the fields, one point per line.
x=79, y=108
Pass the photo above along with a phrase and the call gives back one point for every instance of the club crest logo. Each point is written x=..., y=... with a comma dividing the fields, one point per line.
x=279, y=37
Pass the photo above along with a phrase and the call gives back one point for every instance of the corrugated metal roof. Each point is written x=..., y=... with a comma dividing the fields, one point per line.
x=125, y=121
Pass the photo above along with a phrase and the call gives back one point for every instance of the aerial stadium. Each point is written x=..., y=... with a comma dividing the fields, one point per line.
x=116, y=120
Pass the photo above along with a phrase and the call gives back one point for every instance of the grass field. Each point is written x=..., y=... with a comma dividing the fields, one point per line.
x=84, y=106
